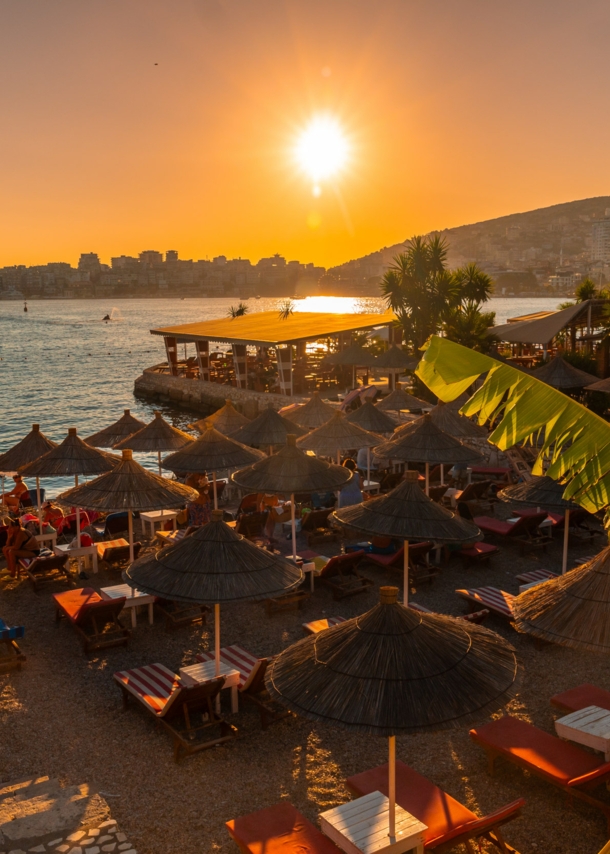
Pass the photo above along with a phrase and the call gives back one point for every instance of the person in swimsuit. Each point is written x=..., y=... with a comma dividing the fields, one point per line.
x=19, y=491
x=20, y=543
x=351, y=493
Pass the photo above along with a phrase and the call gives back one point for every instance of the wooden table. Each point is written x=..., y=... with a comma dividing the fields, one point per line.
x=47, y=538
x=205, y=671
x=84, y=552
x=589, y=726
x=361, y=827
x=371, y=486
x=154, y=517
x=133, y=598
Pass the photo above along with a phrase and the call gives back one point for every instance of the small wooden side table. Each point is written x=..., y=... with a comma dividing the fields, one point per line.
x=154, y=517
x=205, y=671
x=589, y=726
x=133, y=598
x=87, y=552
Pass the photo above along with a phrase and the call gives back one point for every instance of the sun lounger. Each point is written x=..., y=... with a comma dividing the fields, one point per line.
x=115, y=524
x=477, y=553
x=12, y=656
x=525, y=529
x=320, y=625
x=474, y=617
x=341, y=576
x=45, y=569
x=497, y=601
x=180, y=613
x=177, y=706
x=280, y=829
x=535, y=575
x=316, y=529
x=449, y=822
x=418, y=553
x=251, y=685
x=117, y=555
x=580, y=697
x=95, y=619
x=563, y=764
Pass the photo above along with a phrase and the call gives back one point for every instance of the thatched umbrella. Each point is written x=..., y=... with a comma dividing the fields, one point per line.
x=394, y=360
x=599, y=385
x=226, y=420
x=545, y=493
x=399, y=399
x=157, y=436
x=447, y=419
x=269, y=428
x=395, y=671
x=213, y=566
x=337, y=435
x=291, y=470
x=72, y=457
x=562, y=375
x=212, y=451
x=312, y=414
x=30, y=448
x=353, y=356
x=424, y=442
x=573, y=609
x=126, y=426
x=368, y=417
x=406, y=513
x=131, y=487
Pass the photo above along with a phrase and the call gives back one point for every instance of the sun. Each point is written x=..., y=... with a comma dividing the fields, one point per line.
x=322, y=150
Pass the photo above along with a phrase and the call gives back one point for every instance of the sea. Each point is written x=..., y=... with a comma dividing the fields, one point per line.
x=62, y=365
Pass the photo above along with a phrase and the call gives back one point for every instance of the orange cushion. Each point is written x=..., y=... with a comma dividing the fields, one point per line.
x=280, y=829
x=581, y=697
x=72, y=602
x=414, y=793
x=559, y=761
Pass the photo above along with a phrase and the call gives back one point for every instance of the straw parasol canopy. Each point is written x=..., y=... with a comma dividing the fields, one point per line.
x=338, y=435
x=72, y=457
x=394, y=670
x=354, y=356
x=226, y=420
x=313, y=414
x=562, y=375
x=156, y=436
x=30, y=448
x=370, y=418
x=269, y=428
x=424, y=442
x=572, y=610
x=121, y=429
x=600, y=385
x=212, y=451
x=399, y=399
x=447, y=419
x=395, y=359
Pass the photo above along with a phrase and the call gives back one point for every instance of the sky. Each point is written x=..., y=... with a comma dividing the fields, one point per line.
x=172, y=124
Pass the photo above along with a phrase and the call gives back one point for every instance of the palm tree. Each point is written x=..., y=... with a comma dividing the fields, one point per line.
x=587, y=289
x=241, y=309
x=286, y=309
x=469, y=326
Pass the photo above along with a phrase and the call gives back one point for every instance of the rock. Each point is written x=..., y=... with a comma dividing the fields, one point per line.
x=74, y=837
x=124, y=846
x=53, y=843
x=95, y=831
x=77, y=850
x=121, y=837
x=105, y=838
x=107, y=824
x=110, y=847
x=88, y=841
x=16, y=851
x=38, y=849
x=94, y=850
x=62, y=849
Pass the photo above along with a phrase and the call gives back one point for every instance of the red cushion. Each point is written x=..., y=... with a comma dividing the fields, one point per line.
x=559, y=761
x=72, y=602
x=581, y=697
x=280, y=829
x=496, y=526
x=479, y=549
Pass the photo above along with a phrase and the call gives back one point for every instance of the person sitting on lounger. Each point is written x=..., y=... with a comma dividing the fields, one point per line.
x=11, y=499
x=268, y=502
x=200, y=510
x=52, y=514
x=20, y=543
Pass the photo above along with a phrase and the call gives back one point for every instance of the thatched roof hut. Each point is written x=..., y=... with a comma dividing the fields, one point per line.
x=267, y=429
x=157, y=436
x=211, y=452
x=424, y=442
x=353, y=356
x=126, y=426
x=30, y=448
x=400, y=399
x=571, y=610
x=451, y=422
x=71, y=457
x=369, y=417
x=562, y=375
x=336, y=436
x=541, y=492
x=226, y=420
x=312, y=414
x=395, y=359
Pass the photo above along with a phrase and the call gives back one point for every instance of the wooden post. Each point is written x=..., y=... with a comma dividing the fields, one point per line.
x=130, y=528
x=78, y=519
x=368, y=466
x=392, y=786
x=428, y=479
x=442, y=474
x=215, y=491
x=566, y=536
x=240, y=365
x=171, y=349
x=405, y=597
x=217, y=637
x=202, y=348
x=294, y=526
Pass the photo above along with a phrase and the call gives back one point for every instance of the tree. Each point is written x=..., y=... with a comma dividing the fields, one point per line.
x=241, y=309
x=469, y=326
x=286, y=309
x=587, y=289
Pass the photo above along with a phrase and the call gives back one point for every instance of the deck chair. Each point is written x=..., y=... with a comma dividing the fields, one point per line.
x=177, y=706
x=535, y=575
x=66, y=529
x=563, y=764
x=252, y=525
x=341, y=576
x=12, y=657
x=524, y=529
x=117, y=556
x=95, y=619
x=248, y=504
x=45, y=569
x=251, y=684
x=449, y=822
x=315, y=527
x=114, y=525
x=580, y=697
x=279, y=828
x=497, y=601
x=477, y=553
x=419, y=569
x=180, y=613
x=321, y=625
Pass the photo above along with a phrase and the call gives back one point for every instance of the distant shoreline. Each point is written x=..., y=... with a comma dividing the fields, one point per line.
x=526, y=295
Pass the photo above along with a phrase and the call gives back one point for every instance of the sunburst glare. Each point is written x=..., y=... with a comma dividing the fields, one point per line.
x=322, y=150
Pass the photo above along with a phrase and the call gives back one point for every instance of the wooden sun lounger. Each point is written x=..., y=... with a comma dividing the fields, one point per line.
x=477, y=553
x=180, y=613
x=46, y=569
x=12, y=658
x=573, y=770
x=474, y=617
x=449, y=822
x=497, y=601
x=575, y=699
x=177, y=706
x=95, y=619
x=251, y=685
x=341, y=576
x=117, y=556
x=280, y=828
x=535, y=575
x=524, y=530
x=419, y=568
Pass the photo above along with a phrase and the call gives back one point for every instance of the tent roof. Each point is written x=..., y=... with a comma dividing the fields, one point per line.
x=424, y=442
x=211, y=452
x=126, y=426
x=541, y=492
x=267, y=328
x=226, y=420
x=561, y=374
x=543, y=330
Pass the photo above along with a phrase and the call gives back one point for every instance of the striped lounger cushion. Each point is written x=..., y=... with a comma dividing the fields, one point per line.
x=475, y=617
x=237, y=658
x=9, y=633
x=535, y=575
x=154, y=685
x=496, y=600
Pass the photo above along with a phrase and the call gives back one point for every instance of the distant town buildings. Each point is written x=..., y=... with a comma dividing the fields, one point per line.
x=600, y=240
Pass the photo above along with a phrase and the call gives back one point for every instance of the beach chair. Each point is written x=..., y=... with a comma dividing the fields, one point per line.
x=114, y=525
x=497, y=601
x=477, y=553
x=316, y=626
x=251, y=685
x=117, y=556
x=12, y=657
x=95, y=619
x=449, y=822
x=45, y=569
x=248, y=504
x=575, y=699
x=418, y=554
x=535, y=575
x=563, y=764
x=177, y=706
x=252, y=526
x=341, y=576
x=314, y=526
x=181, y=613
x=66, y=529
x=525, y=529
x=280, y=828
x=473, y=617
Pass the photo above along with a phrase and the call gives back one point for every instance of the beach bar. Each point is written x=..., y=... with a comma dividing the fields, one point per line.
x=258, y=359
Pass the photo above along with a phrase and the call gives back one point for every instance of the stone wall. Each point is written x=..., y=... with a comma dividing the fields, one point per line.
x=207, y=397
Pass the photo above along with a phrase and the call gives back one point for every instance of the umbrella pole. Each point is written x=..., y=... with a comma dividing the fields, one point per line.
x=566, y=535
x=405, y=597
x=217, y=648
x=159, y=461
x=77, y=517
x=294, y=527
x=428, y=479
x=38, y=502
x=442, y=474
x=215, y=491
x=392, y=784
x=368, y=466
x=130, y=529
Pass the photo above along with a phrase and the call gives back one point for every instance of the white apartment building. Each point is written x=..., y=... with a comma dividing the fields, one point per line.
x=600, y=239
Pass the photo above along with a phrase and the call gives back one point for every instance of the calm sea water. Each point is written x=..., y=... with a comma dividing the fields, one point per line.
x=62, y=366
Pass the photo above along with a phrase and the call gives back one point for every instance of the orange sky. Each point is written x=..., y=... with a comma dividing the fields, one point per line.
x=457, y=111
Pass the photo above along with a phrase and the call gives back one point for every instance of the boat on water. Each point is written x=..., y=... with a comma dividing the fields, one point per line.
x=25, y=306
